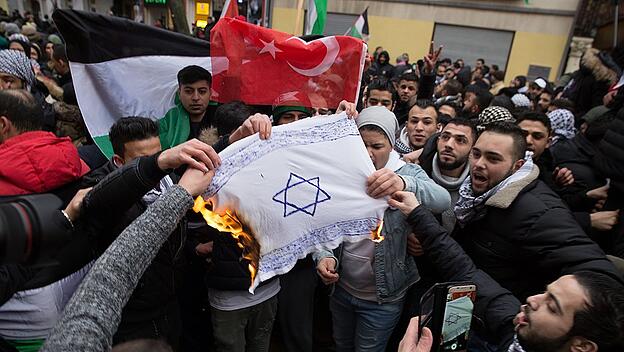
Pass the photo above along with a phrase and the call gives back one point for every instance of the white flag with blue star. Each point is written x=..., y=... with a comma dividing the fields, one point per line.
x=303, y=189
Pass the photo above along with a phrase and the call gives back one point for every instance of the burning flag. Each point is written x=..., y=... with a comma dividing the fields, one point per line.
x=302, y=190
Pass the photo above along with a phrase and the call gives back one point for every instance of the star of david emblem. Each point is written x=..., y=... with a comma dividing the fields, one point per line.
x=453, y=318
x=301, y=195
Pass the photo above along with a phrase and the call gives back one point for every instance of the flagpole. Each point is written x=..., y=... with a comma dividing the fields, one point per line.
x=298, y=21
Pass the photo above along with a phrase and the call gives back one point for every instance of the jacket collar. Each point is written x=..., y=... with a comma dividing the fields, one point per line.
x=507, y=195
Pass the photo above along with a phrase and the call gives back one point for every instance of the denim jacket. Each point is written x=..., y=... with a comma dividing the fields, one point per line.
x=395, y=270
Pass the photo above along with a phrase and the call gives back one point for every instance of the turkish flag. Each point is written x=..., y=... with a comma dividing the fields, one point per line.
x=257, y=65
x=230, y=9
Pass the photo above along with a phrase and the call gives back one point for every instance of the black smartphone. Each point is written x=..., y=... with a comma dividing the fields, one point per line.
x=446, y=309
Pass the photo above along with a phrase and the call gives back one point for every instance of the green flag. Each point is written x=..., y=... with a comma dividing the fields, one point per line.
x=360, y=27
x=317, y=15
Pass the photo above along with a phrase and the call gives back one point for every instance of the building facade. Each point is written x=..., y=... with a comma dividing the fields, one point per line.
x=522, y=39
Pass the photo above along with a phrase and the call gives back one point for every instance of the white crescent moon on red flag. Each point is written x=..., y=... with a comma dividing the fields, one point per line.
x=332, y=53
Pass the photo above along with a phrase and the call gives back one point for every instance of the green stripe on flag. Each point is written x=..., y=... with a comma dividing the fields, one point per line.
x=321, y=17
x=104, y=143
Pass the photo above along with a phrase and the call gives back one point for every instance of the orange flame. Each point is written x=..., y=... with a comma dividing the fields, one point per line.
x=376, y=235
x=229, y=222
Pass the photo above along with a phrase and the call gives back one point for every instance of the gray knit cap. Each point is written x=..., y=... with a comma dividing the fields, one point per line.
x=11, y=28
x=381, y=117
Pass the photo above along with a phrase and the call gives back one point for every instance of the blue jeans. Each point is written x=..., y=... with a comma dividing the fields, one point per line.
x=362, y=326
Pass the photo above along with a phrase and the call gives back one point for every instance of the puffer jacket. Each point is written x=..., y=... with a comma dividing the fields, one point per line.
x=528, y=238
x=38, y=161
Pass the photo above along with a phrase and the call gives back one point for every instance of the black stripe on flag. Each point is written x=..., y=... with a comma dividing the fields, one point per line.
x=93, y=38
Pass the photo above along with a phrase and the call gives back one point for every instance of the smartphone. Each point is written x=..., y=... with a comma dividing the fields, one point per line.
x=446, y=309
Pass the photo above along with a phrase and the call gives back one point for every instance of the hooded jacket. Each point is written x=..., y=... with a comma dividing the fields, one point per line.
x=38, y=161
x=528, y=238
x=590, y=83
x=383, y=70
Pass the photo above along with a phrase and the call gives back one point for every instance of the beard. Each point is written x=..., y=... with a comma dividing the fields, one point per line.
x=452, y=165
x=535, y=343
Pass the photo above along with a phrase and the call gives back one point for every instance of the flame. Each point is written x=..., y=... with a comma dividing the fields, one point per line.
x=376, y=235
x=229, y=222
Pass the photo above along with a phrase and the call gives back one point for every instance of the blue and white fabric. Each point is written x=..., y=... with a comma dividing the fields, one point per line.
x=301, y=190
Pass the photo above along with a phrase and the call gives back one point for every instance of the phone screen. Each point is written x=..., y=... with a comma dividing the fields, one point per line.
x=457, y=317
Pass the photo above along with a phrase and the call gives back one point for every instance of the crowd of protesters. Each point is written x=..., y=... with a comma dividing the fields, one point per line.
x=515, y=186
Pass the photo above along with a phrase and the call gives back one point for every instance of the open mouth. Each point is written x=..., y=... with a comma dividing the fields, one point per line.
x=479, y=178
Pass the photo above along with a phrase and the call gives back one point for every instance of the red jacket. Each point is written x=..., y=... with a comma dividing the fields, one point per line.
x=38, y=161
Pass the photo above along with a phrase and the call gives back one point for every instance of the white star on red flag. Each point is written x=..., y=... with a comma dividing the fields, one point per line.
x=269, y=47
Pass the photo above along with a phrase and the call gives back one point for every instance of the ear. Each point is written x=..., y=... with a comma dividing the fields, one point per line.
x=5, y=125
x=118, y=161
x=518, y=164
x=581, y=344
x=439, y=127
x=549, y=141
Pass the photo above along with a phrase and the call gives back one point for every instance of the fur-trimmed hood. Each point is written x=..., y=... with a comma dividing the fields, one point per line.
x=598, y=68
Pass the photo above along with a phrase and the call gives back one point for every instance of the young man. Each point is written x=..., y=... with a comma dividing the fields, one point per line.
x=537, y=87
x=407, y=89
x=538, y=230
x=544, y=100
x=380, y=92
x=497, y=78
x=421, y=125
x=445, y=160
x=580, y=311
x=370, y=293
x=476, y=99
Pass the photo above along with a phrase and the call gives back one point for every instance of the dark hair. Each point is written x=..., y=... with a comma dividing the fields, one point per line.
x=423, y=104
x=563, y=103
x=454, y=105
x=193, y=73
x=602, y=319
x=228, y=117
x=383, y=84
x=459, y=121
x=21, y=108
x=482, y=61
x=512, y=130
x=499, y=75
x=503, y=101
x=23, y=44
x=409, y=76
x=453, y=87
x=484, y=97
x=522, y=80
x=535, y=116
x=447, y=61
x=375, y=128
x=59, y=53
x=130, y=129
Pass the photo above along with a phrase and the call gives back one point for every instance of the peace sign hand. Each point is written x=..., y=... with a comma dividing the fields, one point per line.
x=432, y=58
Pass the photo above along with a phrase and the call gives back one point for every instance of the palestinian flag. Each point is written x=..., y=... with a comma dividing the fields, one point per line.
x=317, y=16
x=123, y=68
x=360, y=27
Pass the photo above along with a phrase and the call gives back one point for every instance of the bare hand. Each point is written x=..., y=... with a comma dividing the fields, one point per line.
x=410, y=342
x=406, y=202
x=203, y=249
x=600, y=193
x=608, y=98
x=414, y=248
x=604, y=220
x=326, y=269
x=563, y=177
x=431, y=58
x=257, y=123
x=75, y=205
x=194, y=153
x=384, y=182
x=195, y=182
x=347, y=107
x=412, y=158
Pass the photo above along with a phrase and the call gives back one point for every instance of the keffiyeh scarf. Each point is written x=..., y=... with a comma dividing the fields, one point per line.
x=515, y=345
x=402, y=143
x=562, y=125
x=471, y=208
x=15, y=63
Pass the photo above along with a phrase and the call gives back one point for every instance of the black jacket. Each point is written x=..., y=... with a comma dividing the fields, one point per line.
x=426, y=86
x=528, y=238
x=495, y=306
